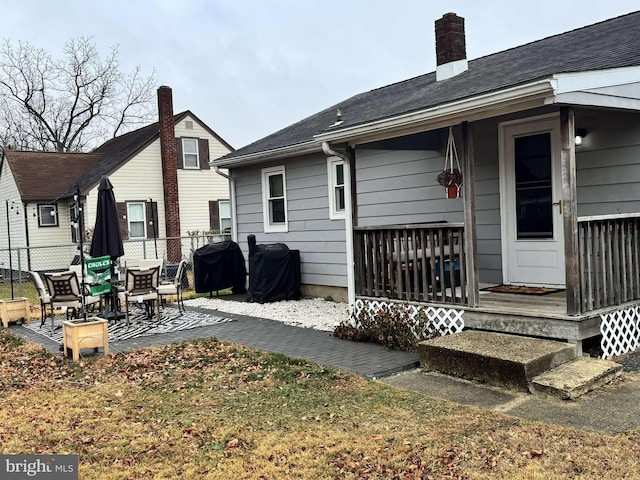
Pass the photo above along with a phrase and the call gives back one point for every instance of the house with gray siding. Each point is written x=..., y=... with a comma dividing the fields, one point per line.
x=542, y=238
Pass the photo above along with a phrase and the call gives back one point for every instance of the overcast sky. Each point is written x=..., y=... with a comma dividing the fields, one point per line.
x=250, y=67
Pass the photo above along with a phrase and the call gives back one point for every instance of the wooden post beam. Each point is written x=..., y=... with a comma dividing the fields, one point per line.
x=469, y=200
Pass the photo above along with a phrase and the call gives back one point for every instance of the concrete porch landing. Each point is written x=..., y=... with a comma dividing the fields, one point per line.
x=516, y=362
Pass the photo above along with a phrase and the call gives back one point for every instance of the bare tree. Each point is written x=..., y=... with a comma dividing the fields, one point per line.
x=71, y=104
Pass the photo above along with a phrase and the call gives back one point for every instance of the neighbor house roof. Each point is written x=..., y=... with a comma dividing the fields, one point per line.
x=49, y=176
x=46, y=177
x=611, y=44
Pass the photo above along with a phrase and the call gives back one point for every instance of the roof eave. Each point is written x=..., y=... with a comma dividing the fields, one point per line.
x=474, y=108
x=266, y=155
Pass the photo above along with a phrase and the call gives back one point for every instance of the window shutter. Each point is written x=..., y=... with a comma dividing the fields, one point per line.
x=122, y=219
x=151, y=213
x=203, y=153
x=214, y=215
x=179, y=158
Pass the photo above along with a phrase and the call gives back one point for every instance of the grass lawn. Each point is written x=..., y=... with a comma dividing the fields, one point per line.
x=209, y=409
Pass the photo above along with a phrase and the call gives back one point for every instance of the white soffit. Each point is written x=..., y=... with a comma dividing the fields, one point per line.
x=616, y=88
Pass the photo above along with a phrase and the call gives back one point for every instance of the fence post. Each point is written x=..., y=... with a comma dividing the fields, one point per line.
x=20, y=289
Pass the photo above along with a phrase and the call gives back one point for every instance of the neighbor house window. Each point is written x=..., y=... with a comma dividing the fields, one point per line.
x=47, y=216
x=335, y=173
x=75, y=224
x=136, y=220
x=190, y=153
x=225, y=215
x=274, y=199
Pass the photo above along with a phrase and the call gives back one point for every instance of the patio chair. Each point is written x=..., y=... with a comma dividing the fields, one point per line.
x=141, y=286
x=174, y=288
x=45, y=298
x=64, y=289
x=146, y=263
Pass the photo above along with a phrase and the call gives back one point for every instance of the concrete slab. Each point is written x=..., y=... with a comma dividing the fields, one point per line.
x=573, y=379
x=501, y=360
x=613, y=408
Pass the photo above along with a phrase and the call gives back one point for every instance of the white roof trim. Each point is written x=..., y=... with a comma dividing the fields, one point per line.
x=481, y=106
x=571, y=82
x=263, y=156
x=615, y=88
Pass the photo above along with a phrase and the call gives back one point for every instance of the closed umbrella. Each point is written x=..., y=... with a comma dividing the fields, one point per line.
x=106, y=233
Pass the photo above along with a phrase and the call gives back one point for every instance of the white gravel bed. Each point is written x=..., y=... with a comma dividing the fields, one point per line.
x=308, y=313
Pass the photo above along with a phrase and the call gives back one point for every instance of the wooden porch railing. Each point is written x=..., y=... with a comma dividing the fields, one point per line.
x=609, y=260
x=422, y=262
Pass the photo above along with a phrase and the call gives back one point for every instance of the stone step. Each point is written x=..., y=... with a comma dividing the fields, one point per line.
x=577, y=377
x=499, y=359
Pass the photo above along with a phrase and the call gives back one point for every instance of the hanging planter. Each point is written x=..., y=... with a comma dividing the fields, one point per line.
x=451, y=177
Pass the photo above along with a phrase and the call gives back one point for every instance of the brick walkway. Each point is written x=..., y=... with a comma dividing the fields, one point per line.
x=368, y=359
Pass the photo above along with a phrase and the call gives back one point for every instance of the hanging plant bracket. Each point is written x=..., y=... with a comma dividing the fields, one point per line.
x=451, y=176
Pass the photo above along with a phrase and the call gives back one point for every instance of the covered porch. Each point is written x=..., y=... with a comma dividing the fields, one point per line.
x=434, y=266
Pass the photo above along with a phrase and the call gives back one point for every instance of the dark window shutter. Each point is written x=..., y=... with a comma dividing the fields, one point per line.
x=179, y=158
x=214, y=215
x=203, y=153
x=151, y=212
x=122, y=219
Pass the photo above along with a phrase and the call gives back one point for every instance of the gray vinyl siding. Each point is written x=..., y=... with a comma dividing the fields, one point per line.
x=608, y=164
x=398, y=187
x=321, y=241
x=487, y=191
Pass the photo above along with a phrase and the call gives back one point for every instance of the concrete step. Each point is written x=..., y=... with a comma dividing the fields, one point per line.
x=498, y=359
x=577, y=377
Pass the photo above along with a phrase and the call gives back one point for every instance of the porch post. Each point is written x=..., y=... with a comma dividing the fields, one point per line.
x=570, y=210
x=351, y=221
x=469, y=200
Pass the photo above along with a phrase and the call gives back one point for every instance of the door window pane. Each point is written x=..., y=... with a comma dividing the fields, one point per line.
x=533, y=186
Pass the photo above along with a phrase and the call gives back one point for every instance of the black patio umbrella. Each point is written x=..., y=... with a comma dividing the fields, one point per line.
x=106, y=233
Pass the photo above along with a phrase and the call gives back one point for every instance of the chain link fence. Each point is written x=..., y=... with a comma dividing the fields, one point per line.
x=16, y=264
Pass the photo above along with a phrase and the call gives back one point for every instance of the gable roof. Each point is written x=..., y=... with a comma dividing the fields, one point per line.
x=49, y=176
x=610, y=44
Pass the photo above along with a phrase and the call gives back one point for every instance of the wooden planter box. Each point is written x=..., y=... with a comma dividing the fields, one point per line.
x=80, y=335
x=14, y=309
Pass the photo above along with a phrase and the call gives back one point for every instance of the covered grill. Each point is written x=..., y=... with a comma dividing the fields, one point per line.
x=218, y=266
x=274, y=272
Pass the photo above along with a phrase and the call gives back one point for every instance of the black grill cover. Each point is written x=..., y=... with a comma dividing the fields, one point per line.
x=218, y=266
x=274, y=272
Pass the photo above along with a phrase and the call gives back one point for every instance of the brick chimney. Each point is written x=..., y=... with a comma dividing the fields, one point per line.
x=168, y=155
x=451, y=51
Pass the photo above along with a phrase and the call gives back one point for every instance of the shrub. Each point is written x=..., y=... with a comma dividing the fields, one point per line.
x=392, y=326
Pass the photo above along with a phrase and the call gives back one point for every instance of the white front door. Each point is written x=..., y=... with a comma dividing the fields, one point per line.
x=530, y=202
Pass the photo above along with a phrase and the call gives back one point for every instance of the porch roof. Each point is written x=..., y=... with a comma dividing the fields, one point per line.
x=535, y=67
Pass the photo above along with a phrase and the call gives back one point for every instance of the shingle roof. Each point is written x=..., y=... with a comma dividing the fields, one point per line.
x=48, y=176
x=613, y=43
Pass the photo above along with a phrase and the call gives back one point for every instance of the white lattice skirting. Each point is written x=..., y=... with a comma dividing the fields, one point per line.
x=442, y=321
x=620, y=331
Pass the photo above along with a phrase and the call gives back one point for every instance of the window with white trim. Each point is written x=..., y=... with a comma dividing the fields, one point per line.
x=224, y=212
x=336, y=176
x=47, y=215
x=274, y=200
x=190, y=153
x=136, y=220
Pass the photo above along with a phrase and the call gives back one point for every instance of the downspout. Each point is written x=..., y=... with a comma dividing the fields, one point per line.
x=232, y=194
x=348, y=225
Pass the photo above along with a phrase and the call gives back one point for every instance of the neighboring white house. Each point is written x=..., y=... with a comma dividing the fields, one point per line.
x=38, y=188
